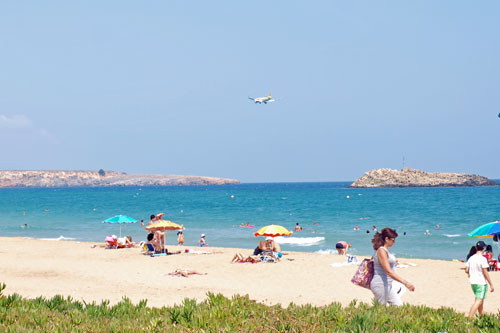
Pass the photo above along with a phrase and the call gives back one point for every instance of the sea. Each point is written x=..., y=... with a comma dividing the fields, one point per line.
x=328, y=213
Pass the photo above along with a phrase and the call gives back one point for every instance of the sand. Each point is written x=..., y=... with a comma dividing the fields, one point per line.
x=32, y=267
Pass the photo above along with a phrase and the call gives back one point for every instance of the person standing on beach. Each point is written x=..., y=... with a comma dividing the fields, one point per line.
x=477, y=269
x=383, y=270
x=180, y=238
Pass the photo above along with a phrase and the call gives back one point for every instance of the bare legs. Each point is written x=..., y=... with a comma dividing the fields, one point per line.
x=477, y=306
x=238, y=257
x=185, y=272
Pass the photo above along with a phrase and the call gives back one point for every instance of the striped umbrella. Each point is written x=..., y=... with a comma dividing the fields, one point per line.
x=486, y=230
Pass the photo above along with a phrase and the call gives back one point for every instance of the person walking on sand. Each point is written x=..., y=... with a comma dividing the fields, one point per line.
x=383, y=270
x=477, y=269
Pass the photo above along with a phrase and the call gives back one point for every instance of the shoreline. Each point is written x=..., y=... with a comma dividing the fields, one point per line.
x=34, y=267
x=331, y=251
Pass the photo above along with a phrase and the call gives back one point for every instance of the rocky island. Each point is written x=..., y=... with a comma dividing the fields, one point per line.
x=100, y=178
x=416, y=178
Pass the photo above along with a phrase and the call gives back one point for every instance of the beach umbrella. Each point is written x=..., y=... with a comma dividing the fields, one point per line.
x=120, y=219
x=165, y=225
x=273, y=230
x=486, y=230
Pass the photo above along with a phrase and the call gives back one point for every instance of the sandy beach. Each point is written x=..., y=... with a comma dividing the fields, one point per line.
x=32, y=267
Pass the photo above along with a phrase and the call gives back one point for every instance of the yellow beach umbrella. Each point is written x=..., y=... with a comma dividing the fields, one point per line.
x=165, y=225
x=273, y=230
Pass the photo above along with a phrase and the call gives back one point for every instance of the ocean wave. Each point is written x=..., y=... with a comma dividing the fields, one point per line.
x=59, y=238
x=454, y=235
x=327, y=251
x=300, y=241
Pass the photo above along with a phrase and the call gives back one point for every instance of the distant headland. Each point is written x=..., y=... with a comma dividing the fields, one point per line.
x=101, y=178
x=416, y=178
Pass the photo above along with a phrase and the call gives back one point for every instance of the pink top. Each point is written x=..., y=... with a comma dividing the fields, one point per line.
x=344, y=244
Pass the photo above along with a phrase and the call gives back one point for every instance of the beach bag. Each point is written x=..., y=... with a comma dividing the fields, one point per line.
x=364, y=275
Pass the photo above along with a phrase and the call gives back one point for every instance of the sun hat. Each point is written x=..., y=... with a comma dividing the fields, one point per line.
x=269, y=238
x=202, y=235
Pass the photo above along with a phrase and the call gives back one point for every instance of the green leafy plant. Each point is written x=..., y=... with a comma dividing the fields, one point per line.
x=239, y=313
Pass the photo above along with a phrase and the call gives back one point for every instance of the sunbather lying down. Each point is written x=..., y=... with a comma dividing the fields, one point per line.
x=185, y=272
x=238, y=257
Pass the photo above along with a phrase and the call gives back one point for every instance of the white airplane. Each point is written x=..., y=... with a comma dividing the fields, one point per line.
x=265, y=100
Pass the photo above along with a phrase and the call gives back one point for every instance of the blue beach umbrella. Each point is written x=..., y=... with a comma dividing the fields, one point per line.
x=120, y=219
x=486, y=230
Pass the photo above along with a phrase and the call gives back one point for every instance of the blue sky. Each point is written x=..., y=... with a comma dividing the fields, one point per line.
x=162, y=87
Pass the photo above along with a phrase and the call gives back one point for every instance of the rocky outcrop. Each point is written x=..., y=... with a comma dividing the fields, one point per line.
x=100, y=179
x=416, y=178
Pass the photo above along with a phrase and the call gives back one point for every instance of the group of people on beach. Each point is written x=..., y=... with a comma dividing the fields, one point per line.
x=156, y=236
x=267, y=250
x=387, y=286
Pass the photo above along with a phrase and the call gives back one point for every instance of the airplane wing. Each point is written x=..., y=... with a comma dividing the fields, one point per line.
x=253, y=99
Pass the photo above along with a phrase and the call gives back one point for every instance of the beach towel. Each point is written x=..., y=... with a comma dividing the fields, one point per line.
x=340, y=264
x=196, y=251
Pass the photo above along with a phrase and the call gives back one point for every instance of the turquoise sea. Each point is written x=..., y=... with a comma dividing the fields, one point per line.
x=76, y=214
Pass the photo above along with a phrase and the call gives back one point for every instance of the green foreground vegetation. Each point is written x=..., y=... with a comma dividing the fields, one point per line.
x=218, y=313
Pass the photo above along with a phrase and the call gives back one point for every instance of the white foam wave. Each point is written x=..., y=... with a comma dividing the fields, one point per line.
x=454, y=235
x=60, y=238
x=300, y=241
x=327, y=251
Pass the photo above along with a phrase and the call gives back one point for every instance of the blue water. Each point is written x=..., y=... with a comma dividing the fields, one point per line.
x=217, y=211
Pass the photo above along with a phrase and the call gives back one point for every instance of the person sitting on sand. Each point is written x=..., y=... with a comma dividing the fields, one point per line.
x=238, y=257
x=185, y=272
x=202, y=241
x=269, y=247
x=125, y=242
x=342, y=247
x=154, y=241
x=298, y=227
x=488, y=254
x=180, y=238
